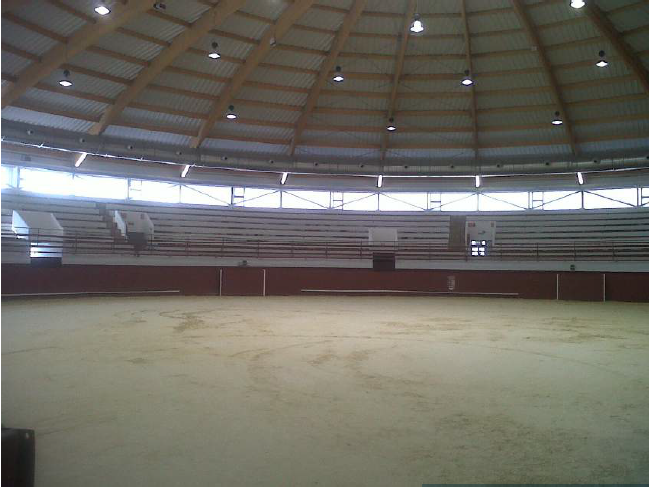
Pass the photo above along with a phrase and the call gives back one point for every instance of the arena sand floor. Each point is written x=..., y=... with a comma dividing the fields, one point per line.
x=328, y=391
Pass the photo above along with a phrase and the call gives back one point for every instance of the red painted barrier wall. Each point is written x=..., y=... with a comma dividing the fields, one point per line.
x=588, y=286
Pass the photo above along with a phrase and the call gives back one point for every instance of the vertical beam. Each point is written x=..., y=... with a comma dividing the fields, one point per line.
x=79, y=41
x=469, y=62
x=398, y=69
x=608, y=30
x=535, y=40
x=273, y=34
x=325, y=69
x=210, y=19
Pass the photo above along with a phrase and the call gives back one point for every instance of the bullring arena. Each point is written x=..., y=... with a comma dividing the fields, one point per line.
x=329, y=243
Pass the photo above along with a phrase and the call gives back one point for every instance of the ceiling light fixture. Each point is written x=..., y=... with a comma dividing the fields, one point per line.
x=102, y=9
x=185, y=171
x=284, y=178
x=557, y=119
x=580, y=178
x=417, y=26
x=214, y=53
x=577, y=3
x=338, y=75
x=80, y=159
x=602, y=63
x=391, y=127
x=467, y=81
x=65, y=81
x=379, y=181
x=231, y=115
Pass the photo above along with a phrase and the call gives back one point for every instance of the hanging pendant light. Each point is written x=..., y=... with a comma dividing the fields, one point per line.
x=102, y=9
x=338, y=75
x=417, y=26
x=602, y=63
x=391, y=127
x=557, y=119
x=577, y=3
x=65, y=81
x=467, y=80
x=214, y=53
x=231, y=115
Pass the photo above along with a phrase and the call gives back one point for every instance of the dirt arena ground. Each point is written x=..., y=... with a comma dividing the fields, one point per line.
x=325, y=391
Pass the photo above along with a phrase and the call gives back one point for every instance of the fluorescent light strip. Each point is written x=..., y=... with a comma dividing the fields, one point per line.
x=185, y=171
x=284, y=178
x=379, y=182
x=82, y=157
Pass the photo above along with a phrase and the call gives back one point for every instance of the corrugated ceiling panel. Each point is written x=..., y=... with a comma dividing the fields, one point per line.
x=187, y=10
x=435, y=66
x=599, y=91
x=634, y=127
x=639, y=41
x=560, y=34
x=615, y=145
x=26, y=39
x=130, y=46
x=57, y=101
x=157, y=119
x=430, y=45
x=632, y=18
x=321, y=19
x=241, y=129
x=620, y=109
x=184, y=82
x=283, y=78
x=240, y=25
x=347, y=102
x=514, y=40
x=293, y=59
x=52, y=18
x=236, y=147
x=493, y=22
x=173, y=101
x=12, y=64
x=516, y=136
x=445, y=121
x=500, y=119
x=514, y=100
x=428, y=138
x=379, y=25
x=371, y=45
x=310, y=40
x=155, y=27
x=446, y=157
x=562, y=150
x=485, y=6
x=315, y=151
x=434, y=104
x=105, y=64
x=356, y=120
x=44, y=119
x=266, y=113
x=270, y=9
x=524, y=80
x=283, y=97
x=523, y=60
x=148, y=137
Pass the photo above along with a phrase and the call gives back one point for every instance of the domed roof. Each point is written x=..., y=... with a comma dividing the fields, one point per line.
x=164, y=76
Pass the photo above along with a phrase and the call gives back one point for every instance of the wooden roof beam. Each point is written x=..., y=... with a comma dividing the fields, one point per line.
x=535, y=40
x=272, y=35
x=210, y=19
x=325, y=70
x=398, y=69
x=469, y=62
x=79, y=41
x=608, y=30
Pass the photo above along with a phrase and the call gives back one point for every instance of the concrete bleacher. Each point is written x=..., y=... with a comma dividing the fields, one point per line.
x=193, y=228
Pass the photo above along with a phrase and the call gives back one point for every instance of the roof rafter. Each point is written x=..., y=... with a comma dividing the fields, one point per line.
x=79, y=41
x=272, y=35
x=535, y=40
x=8, y=5
x=325, y=68
x=469, y=62
x=608, y=30
x=181, y=43
x=398, y=69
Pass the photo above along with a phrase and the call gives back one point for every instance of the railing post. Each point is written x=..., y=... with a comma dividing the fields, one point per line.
x=613, y=248
x=574, y=250
x=537, y=251
x=326, y=250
